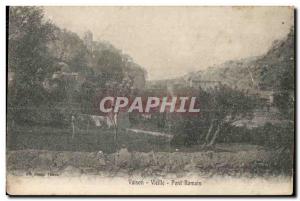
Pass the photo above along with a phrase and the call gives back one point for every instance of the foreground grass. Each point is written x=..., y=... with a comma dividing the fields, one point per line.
x=251, y=163
x=35, y=147
x=59, y=139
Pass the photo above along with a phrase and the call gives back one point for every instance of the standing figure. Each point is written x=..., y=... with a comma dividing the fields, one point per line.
x=73, y=126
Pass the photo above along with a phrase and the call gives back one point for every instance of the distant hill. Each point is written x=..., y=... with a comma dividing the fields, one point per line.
x=263, y=72
x=232, y=73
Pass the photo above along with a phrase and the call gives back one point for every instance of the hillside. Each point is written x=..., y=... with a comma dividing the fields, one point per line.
x=264, y=72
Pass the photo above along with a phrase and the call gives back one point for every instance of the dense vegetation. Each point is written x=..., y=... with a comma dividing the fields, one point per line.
x=273, y=72
x=37, y=49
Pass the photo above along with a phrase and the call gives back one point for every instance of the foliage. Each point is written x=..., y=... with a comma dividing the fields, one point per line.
x=279, y=74
x=219, y=106
x=38, y=49
x=29, y=59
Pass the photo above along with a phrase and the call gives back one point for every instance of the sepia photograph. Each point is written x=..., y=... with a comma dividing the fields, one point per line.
x=150, y=100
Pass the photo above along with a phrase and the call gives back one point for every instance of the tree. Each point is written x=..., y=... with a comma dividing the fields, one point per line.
x=29, y=59
x=224, y=105
x=284, y=99
x=67, y=47
x=277, y=73
x=122, y=89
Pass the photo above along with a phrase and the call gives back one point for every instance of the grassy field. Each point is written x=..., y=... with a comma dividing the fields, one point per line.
x=48, y=138
x=37, y=147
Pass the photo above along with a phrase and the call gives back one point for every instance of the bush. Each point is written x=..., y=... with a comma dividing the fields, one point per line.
x=268, y=135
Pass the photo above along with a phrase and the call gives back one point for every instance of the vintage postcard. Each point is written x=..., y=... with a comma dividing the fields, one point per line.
x=153, y=100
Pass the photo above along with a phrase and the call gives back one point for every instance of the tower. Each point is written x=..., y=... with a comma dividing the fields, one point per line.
x=88, y=40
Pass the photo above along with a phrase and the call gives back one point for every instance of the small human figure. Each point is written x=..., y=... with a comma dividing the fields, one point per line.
x=73, y=126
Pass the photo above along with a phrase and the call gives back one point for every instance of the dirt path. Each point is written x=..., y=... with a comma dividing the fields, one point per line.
x=150, y=132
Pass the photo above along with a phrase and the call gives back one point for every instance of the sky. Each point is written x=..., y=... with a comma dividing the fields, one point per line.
x=172, y=41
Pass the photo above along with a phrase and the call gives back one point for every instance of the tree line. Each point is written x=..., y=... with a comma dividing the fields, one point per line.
x=37, y=49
